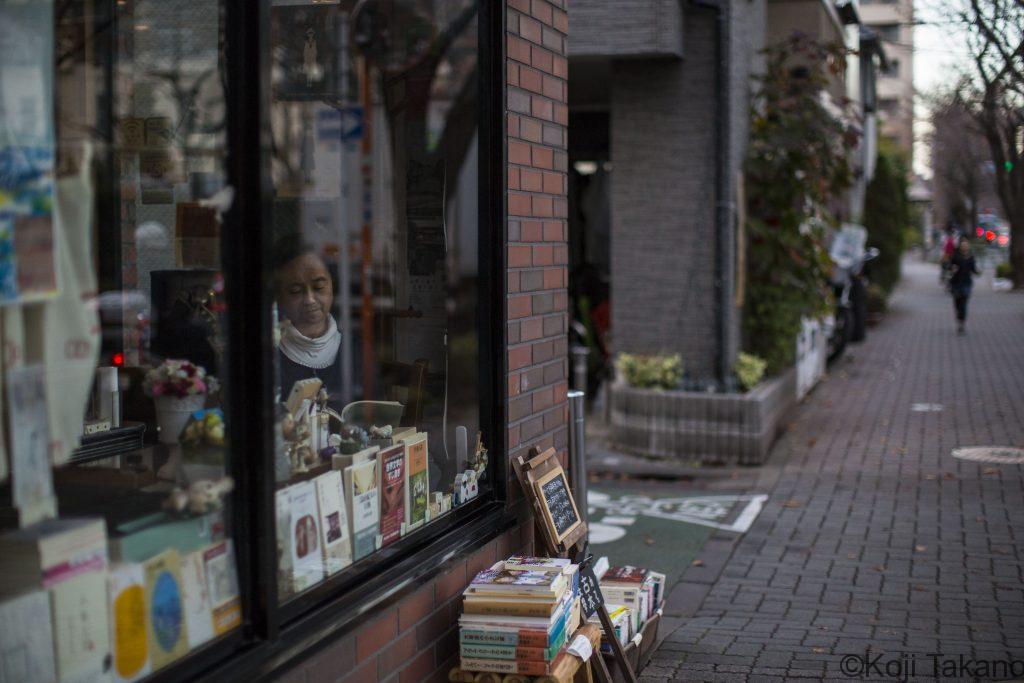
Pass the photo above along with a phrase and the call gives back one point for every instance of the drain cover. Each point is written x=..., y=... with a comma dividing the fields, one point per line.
x=926, y=407
x=998, y=455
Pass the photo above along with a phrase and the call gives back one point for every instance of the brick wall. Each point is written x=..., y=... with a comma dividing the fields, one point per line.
x=537, y=117
x=417, y=638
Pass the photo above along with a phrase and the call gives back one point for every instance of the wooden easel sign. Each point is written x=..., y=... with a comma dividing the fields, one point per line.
x=557, y=505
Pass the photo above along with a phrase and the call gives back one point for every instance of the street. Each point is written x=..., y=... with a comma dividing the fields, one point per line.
x=878, y=554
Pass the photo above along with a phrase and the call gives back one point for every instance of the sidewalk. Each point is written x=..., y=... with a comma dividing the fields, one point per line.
x=876, y=547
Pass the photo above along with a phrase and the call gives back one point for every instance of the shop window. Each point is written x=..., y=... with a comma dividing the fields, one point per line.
x=375, y=221
x=120, y=558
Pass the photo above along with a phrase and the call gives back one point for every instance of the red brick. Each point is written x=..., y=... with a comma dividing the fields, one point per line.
x=415, y=607
x=396, y=654
x=519, y=152
x=541, y=11
x=521, y=5
x=419, y=669
x=513, y=282
x=447, y=645
x=560, y=20
x=543, y=206
x=530, y=29
x=513, y=126
x=513, y=436
x=559, y=66
x=532, y=181
x=519, y=357
x=512, y=74
x=519, y=204
x=552, y=231
x=553, y=183
x=553, y=277
x=520, y=256
x=436, y=625
x=552, y=87
x=543, y=255
x=531, y=231
x=513, y=178
x=513, y=384
x=519, y=307
x=542, y=108
x=531, y=129
x=532, y=80
x=542, y=59
x=561, y=207
x=482, y=559
x=338, y=656
x=560, y=113
x=518, y=49
x=376, y=634
x=561, y=254
x=452, y=583
x=531, y=329
x=543, y=157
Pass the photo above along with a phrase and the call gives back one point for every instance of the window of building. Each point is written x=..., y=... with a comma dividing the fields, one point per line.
x=888, y=32
x=142, y=300
x=892, y=68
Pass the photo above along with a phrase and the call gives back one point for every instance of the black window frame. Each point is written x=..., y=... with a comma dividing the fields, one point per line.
x=274, y=635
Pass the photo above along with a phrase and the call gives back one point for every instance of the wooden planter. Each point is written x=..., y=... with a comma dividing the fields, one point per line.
x=717, y=429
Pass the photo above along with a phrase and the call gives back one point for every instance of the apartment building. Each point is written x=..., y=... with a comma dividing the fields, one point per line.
x=893, y=22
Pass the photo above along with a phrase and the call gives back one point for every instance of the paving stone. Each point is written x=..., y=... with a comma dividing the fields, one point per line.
x=896, y=547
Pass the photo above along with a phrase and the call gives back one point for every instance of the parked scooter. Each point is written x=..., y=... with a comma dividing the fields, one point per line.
x=849, y=285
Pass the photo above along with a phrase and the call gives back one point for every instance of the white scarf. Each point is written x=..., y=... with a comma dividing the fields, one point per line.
x=317, y=353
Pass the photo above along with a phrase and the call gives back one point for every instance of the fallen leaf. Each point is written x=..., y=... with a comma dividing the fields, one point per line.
x=885, y=439
x=648, y=540
x=697, y=563
x=1000, y=551
x=990, y=470
x=929, y=477
x=879, y=567
x=979, y=519
x=901, y=451
x=920, y=548
x=918, y=587
x=817, y=650
x=791, y=503
x=948, y=476
x=811, y=442
x=851, y=556
x=823, y=628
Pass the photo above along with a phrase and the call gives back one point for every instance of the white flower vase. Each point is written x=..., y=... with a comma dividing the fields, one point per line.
x=172, y=414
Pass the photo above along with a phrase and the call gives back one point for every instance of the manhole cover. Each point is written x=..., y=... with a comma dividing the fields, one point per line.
x=999, y=455
x=926, y=407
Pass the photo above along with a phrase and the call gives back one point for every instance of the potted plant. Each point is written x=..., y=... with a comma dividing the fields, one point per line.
x=179, y=388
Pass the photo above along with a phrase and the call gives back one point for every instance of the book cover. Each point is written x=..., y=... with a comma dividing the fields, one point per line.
x=514, y=607
x=627, y=574
x=512, y=637
x=417, y=484
x=364, y=507
x=26, y=631
x=519, y=581
x=508, y=666
x=222, y=582
x=391, y=466
x=196, y=597
x=307, y=561
x=165, y=609
x=126, y=584
x=541, y=564
x=334, y=535
x=51, y=551
x=339, y=461
x=520, y=653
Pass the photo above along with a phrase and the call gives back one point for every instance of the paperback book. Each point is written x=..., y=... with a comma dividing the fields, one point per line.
x=364, y=507
x=417, y=484
x=519, y=582
x=335, y=542
x=222, y=582
x=165, y=609
x=392, y=493
x=307, y=560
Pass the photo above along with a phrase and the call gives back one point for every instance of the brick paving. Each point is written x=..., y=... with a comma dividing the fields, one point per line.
x=875, y=540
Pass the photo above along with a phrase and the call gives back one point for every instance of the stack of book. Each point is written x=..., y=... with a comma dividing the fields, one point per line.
x=518, y=616
x=632, y=595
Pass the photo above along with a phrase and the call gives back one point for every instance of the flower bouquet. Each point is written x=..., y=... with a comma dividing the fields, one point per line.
x=179, y=388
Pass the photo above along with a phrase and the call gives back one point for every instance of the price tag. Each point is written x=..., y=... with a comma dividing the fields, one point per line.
x=581, y=647
x=591, y=598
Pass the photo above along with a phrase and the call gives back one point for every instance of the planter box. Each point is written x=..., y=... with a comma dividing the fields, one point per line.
x=710, y=428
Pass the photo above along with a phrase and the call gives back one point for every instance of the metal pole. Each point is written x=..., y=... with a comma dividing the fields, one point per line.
x=579, y=355
x=577, y=449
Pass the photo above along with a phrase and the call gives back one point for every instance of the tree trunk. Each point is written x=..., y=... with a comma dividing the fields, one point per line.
x=1017, y=248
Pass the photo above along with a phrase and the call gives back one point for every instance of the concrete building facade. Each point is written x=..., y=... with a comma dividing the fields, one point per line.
x=893, y=22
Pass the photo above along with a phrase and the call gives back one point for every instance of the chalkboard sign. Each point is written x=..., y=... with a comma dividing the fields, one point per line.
x=591, y=597
x=560, y=513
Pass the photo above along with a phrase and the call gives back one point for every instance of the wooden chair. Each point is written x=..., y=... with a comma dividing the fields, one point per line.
x=406, y=384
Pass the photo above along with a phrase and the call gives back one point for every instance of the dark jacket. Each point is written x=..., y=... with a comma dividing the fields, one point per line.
x=964, y=269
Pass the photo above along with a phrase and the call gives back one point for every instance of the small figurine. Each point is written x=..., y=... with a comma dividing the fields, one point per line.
x=333, y=446
x=201, y=497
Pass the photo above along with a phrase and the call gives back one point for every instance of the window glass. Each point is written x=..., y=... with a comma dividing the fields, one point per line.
x=373, y=158
x=117, y=552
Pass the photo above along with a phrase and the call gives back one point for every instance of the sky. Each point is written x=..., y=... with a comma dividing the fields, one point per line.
x=939, y=51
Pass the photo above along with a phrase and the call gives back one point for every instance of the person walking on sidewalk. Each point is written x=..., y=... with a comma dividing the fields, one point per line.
x=962, y=270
